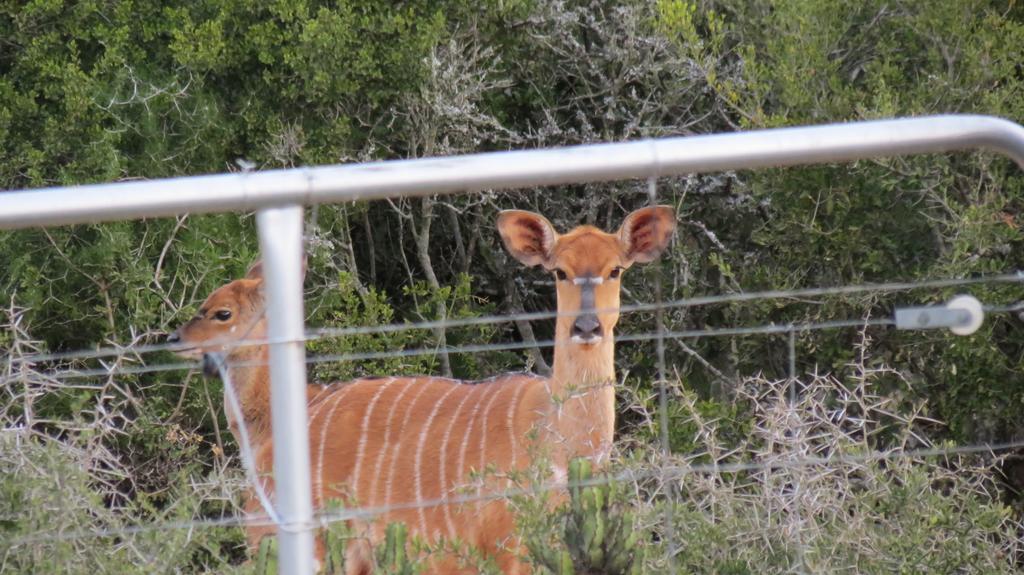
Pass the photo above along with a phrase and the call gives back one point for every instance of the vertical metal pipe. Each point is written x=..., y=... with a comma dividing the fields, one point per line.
x=280, y=231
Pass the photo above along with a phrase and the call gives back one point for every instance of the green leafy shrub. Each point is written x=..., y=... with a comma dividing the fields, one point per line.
x=592, y=533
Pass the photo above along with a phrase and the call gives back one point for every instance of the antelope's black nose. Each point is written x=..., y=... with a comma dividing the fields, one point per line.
x=174, y=337
x=586, y=327
x=211, y=364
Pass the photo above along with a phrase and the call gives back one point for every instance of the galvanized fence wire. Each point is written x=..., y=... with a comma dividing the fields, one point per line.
x=129, y=353
x=793, y=294
x=672, y=473
x=245, y=449
x=767, y=329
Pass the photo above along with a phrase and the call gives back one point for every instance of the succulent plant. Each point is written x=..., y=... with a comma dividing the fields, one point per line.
x=597, y=533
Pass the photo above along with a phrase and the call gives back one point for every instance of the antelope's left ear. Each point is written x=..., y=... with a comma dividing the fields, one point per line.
x=646, y=232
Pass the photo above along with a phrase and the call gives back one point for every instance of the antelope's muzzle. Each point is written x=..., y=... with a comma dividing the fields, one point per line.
x=586, y=329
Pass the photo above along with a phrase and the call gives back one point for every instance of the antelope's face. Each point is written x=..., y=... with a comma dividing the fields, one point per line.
x=232, y=313
x=587, y=264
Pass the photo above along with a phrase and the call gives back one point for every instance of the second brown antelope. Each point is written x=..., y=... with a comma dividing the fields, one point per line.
x=397, y=442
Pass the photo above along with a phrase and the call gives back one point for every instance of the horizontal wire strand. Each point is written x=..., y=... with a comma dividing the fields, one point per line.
x=328, y=332
x=766, y=329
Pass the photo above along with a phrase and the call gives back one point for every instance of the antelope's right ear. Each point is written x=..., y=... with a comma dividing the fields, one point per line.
x=256, y=271
x=529, y=237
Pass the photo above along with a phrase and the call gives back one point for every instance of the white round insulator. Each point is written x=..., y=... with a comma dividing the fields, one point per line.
x=971, y=305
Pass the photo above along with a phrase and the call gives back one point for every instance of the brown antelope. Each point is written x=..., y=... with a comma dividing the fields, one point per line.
x=392, y=442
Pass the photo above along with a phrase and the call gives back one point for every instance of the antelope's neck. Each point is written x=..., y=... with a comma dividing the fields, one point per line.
x=249, y=371
x=583, y=389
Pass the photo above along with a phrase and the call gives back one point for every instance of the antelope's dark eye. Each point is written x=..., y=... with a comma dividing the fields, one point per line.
x=222, y=315
x=615, y=273
x=561, y=275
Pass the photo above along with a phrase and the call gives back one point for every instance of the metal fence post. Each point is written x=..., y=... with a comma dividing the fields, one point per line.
x=280, y=231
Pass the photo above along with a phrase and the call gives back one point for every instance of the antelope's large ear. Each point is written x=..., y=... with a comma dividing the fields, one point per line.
x=529, y=237
x=255, y=271
x=646, y=232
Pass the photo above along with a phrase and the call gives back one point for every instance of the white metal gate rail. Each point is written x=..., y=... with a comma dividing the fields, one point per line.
x=278, y=196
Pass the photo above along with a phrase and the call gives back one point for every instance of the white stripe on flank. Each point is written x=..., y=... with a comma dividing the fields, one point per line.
x=312, y=420
x=341, y=393
x=444, y=461
x=319, y=405
x=362, y=437
x=511, y=421
x=483, y=448
x=332, y=393
x=382, y=453
x=398, y=444
x=417, y=470
x=469, y=428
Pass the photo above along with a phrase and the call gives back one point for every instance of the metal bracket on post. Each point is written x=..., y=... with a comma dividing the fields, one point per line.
x=280, y=231
x=963, y=315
